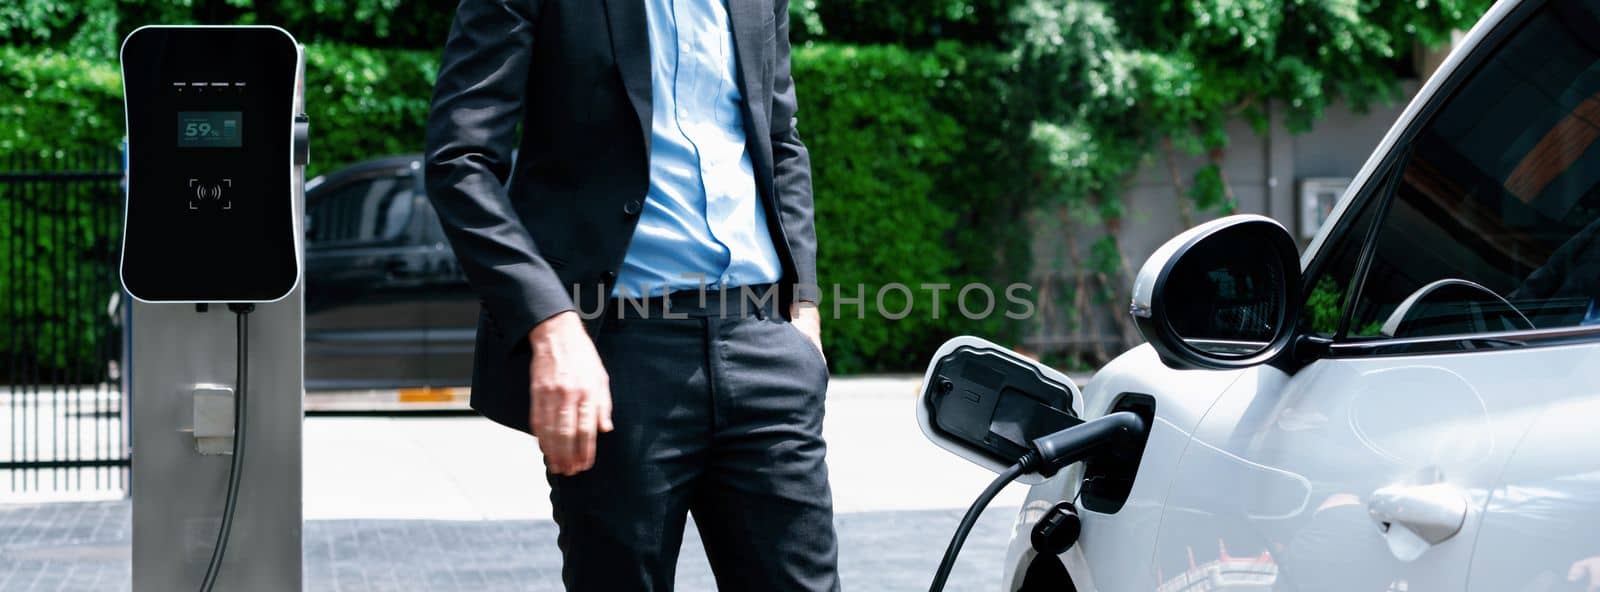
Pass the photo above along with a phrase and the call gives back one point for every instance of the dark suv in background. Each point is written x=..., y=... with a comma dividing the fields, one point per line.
x=386, y=304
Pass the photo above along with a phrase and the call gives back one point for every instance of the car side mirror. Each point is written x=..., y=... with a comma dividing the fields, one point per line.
x=986, y=403
x=1222, y=295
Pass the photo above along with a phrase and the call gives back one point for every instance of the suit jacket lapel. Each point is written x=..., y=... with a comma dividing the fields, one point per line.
x=630, y=45
x=749, y=18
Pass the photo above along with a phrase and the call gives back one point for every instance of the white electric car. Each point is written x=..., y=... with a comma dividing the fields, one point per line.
x=1413, y=404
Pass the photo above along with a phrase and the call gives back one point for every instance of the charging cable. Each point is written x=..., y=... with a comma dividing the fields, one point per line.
x=1050, y=453
x=236, y=465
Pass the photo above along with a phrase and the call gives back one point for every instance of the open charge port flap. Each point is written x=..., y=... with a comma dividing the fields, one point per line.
x=1108, y=477
x=997, y=403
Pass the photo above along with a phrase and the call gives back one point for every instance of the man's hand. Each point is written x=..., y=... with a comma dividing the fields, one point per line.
x=805, y=317
x=571, y=394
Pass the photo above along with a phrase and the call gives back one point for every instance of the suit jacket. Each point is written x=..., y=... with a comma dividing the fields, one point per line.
x=555, y=222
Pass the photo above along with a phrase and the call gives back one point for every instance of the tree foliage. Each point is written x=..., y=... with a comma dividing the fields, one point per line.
x=914, y=174
x=365, y=103
x=57, y=112
x=939, y=128
x=1111, y=86
x=94, y=28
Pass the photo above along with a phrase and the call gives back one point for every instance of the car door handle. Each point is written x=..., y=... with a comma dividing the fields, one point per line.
x=1415, y=517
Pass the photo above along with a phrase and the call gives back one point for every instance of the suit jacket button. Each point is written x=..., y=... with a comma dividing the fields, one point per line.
x=632, y=207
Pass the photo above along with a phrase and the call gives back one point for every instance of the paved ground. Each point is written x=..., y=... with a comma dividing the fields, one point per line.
x=440, y=503
x=84, y=546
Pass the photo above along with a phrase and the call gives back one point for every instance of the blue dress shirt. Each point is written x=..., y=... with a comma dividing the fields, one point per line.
x=702, y=223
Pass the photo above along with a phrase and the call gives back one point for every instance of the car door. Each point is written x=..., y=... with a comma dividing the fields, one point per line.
x=365, y=313
x=1453, y=304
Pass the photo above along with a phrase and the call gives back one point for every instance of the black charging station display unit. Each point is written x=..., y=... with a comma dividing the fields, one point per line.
x=211, y=153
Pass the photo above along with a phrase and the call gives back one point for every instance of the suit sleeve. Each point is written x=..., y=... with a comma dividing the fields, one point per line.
x=471, y=131
x=791, y=166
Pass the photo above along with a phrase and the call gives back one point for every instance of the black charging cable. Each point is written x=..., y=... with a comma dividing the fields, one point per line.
x=1050, y=452
x=1006, y=477
x=236, y=465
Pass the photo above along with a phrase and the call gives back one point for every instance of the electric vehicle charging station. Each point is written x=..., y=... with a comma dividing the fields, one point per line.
x=211, y=255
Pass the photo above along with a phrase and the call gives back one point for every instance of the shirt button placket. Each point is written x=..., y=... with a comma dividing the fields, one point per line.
x=685, y=70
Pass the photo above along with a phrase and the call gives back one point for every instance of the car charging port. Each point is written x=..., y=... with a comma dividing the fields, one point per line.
x=1108, y=476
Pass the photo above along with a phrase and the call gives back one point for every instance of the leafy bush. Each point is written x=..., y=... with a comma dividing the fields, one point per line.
x=911, y=182
x=908, y=23
x=368, y=23
x=1114, y=86
x=54, y=103
x=57, y=113
x=87, y=26
x=95, y=28
x=366, y=103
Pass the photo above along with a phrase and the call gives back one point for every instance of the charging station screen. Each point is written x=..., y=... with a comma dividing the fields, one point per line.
x=210, y=129
x=210, y=209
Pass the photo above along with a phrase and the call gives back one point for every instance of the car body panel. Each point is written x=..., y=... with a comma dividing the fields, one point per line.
x=1275, y=489
x=1539, y=531
x=1114, y=550
x=1263, y=478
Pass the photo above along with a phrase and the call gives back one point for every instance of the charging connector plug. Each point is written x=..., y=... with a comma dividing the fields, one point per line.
x=1079, y=442
x=1050, y=453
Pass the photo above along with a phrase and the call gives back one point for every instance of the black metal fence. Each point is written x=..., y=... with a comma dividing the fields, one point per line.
x=61, y=393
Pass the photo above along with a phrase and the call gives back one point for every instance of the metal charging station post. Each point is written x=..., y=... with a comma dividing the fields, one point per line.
x=216, y=148
x=178, y=492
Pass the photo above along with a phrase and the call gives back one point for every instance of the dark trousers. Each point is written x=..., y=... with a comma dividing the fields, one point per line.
x=718, y=415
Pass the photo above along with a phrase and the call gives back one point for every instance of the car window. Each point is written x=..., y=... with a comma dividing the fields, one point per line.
x=365, y=210
x=1492, y=225
x=1326, y=294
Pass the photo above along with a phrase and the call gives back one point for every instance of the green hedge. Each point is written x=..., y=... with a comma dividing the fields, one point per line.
x=917, y=157
x=57, y=113
x=909, y=23
x=913, y=180
x=95, y=28
x=53, y=103
x=366, y=103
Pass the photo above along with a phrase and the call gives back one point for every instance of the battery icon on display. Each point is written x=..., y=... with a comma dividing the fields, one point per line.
x=209, y=129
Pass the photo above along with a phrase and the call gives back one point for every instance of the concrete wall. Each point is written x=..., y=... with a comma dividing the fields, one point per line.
x=1263, y=172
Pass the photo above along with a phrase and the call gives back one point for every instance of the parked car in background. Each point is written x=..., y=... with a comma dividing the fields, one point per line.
x=1409, y=405
x=386, y=304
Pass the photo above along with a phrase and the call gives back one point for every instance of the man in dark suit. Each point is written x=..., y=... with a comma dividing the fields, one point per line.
x=647, y=268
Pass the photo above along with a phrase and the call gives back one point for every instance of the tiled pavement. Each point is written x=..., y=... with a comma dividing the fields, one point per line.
x=65, y=546
x=439, y=503
x=84, y=546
